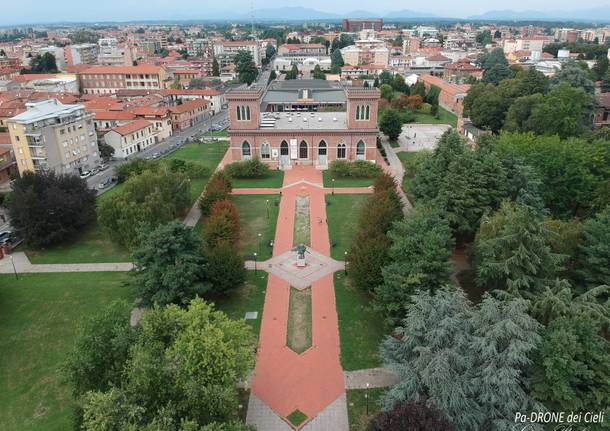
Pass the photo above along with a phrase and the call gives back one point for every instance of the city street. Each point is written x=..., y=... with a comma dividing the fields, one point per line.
x=178, y=136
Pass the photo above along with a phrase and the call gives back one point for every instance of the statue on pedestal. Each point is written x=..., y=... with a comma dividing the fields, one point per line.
x=300, y=249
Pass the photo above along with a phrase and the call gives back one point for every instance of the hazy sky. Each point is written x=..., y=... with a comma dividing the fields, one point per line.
x=27, y=11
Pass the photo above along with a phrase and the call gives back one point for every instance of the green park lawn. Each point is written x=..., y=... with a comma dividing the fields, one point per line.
x=342, y=215
x=275, y=180
x=250, y=297
x=253, y=218
x=93, y=246
x=361, y=328
x=357, y=406
x=346, y=182
x=444, y=117
x=39, y=314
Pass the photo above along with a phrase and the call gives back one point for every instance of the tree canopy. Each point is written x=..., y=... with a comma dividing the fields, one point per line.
x=50, y=208
x=245, y=67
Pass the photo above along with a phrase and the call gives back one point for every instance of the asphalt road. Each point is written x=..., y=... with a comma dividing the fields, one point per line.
x=197, y=129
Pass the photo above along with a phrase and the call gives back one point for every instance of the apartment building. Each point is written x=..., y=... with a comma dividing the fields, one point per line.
x=189, y=113
x=356, y=25
x=302, y=50
x=226, y=50
x=110, y=79
x=131, y=138
x=52, y=136
x=85, y=53
x=533, y=44
x=216, y=99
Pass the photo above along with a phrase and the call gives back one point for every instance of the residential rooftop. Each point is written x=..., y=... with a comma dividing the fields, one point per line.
x=46, y=109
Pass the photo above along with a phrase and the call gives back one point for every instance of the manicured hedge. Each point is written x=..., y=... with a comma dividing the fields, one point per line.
x=354, y=169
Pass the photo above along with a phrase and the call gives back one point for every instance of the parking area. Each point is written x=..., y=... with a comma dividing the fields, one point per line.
x=417, y=137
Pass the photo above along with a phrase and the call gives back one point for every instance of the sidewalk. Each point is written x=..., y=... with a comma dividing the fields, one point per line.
x=23, y=265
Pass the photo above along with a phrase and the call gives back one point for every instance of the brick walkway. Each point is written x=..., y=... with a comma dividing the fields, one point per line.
x=282, y=380
x=23, y=265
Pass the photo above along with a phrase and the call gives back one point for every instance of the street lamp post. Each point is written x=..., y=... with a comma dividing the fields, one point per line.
x=254, y=263
x=366, y=397
x=267, y=206
x=345, y=263
x=14, y=269
x=259, y=242
x=333, y=186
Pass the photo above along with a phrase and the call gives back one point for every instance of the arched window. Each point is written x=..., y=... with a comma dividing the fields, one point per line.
x=247, y=113
x=303, y=150
x=360, y=148
x=246, y=151
x=322, y=148
x=284, y=148
x=341, y=151
x=367, y=116
x=239, y=113
x=358, y=112
x=265, y=152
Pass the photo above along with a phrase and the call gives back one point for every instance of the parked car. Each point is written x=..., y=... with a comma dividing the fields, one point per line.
x=85, y=174
x=5, y=237
x=103, y=167
x=155, y=155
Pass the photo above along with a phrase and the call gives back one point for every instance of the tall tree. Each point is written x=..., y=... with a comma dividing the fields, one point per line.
x=44, y=63
x=50, y=208
x=419, y=260
x=91, y=368
x=573, y=75
x=593, y=258
x=336, y=61
x=390, y=123
x=564, y=111
x=573, y=368
x=215, y=67
x=512, y=252
x=467, y=361
x=245, y=67
x=169, y=266
x=183, y=366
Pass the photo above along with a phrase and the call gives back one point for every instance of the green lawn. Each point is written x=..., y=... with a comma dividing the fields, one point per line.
x=275, y=180
x=361, y=328
x=207, y=154
x=356, y=407
x=218, y=133
x=250, y=297
x=342, y=214
x=444, y=117
x=253, y=218
x=92, y=246
x=38, y=318
x=298, y=330
x=346, y=182
x=407, y=184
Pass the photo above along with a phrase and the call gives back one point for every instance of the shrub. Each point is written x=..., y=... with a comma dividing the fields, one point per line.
x=218, y=188
x=253, y=168
x=354, y=169
x=226, y=270
x=190, y=168
x=222, y=224
x=425, y=108
x=384, y=182
x=131, y=168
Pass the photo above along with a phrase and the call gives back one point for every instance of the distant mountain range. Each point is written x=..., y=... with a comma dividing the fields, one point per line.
x=589, y=14
x=297, y=13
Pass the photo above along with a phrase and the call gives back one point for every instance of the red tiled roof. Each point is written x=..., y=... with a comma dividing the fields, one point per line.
x=194, y=92
x=187, y=106
x=438, y=57
x=114, y=115
x=148, y=111
x=131, y=127
x=143, y=68
x=462, y=66
x=237, y=42
x=296, y=46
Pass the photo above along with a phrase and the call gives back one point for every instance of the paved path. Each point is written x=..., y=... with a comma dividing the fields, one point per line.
x=23, y=265
x=374, y=377
x=397, y=171
x=283, y=380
